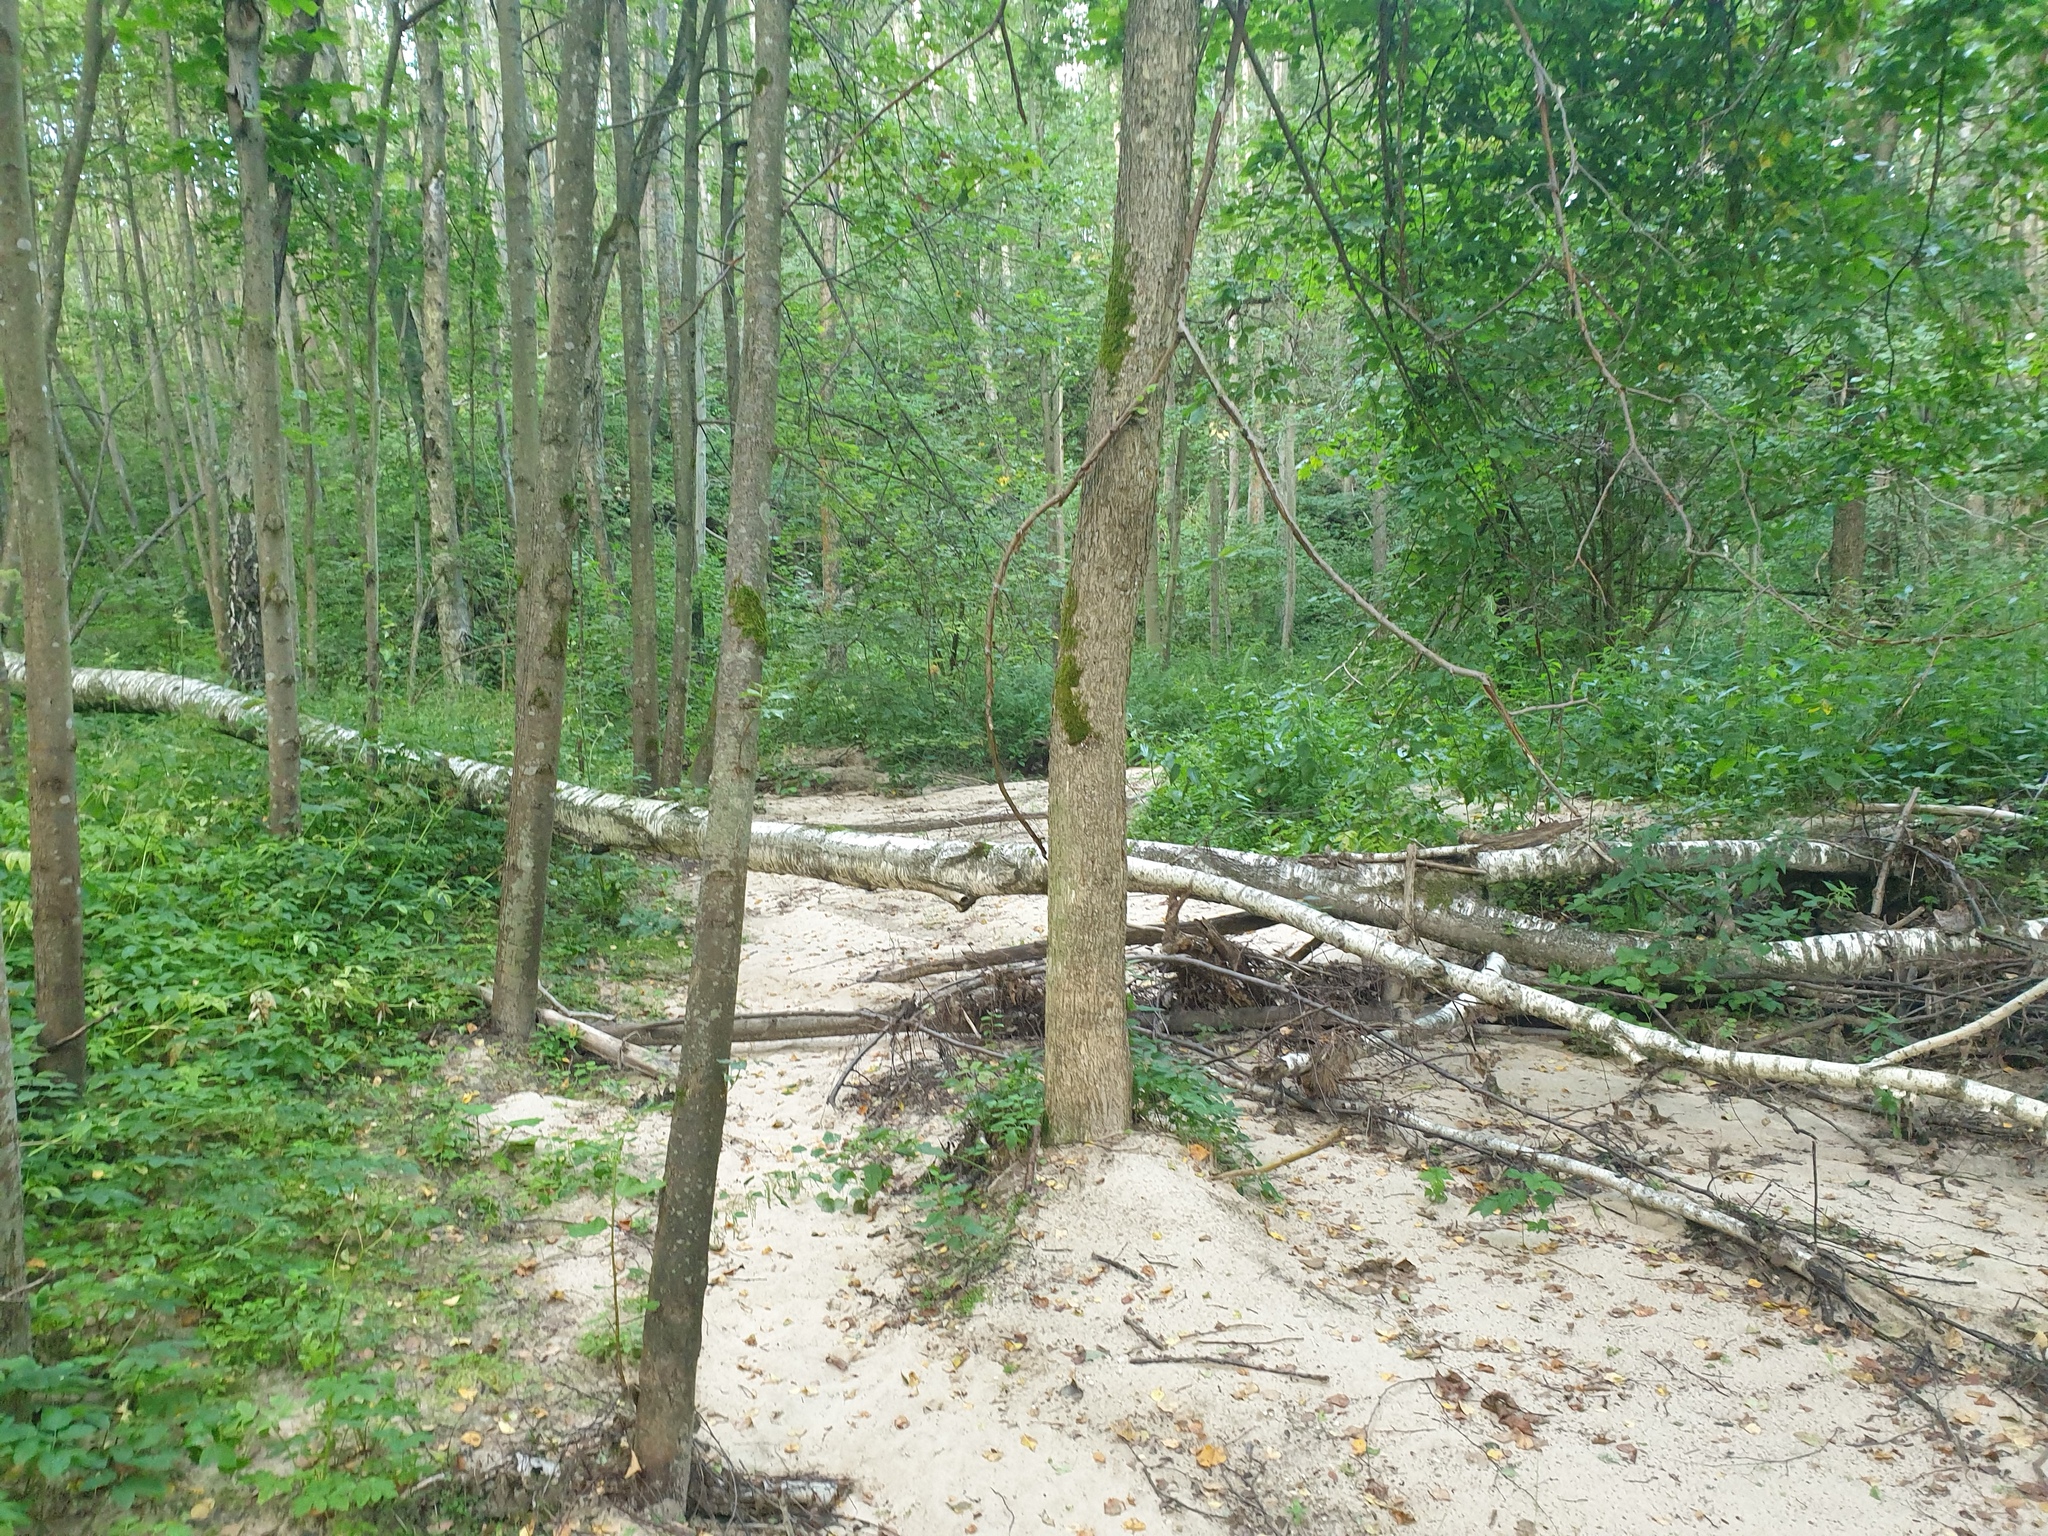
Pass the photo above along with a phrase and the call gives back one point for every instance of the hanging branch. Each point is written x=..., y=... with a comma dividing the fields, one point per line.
x=1414, y=643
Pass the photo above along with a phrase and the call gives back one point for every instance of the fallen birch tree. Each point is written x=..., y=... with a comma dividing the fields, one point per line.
x=955, y=867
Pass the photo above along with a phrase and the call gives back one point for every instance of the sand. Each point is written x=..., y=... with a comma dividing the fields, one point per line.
x=1351, y=1358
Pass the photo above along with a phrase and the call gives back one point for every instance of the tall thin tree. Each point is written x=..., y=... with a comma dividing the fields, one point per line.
x=544, y=535
x=521, y=318
x=437, y=421
x=667, y=1413
x=1087, y=1051
x=644, y=672
x=681, y=266
x=54, y=902
x=244, y=25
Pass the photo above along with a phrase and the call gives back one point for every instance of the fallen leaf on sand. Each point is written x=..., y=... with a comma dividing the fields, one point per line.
x=835, y=1362
x=902, y=1422
x=200, y=1510
x=472, y=1439
x=1027, y=1442
x=1452, y=1387
x=991, y=1454
x=525, y=1266
x=1134, y=1524
x=1440, y=1493
x=1359, y=1445
x=1112, y=1506
x=1509, y=1412
x=1211, y=1456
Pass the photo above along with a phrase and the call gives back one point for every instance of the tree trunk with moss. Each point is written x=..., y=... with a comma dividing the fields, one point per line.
x=543, y=536
x=674, y=1332
x=1087, y=1055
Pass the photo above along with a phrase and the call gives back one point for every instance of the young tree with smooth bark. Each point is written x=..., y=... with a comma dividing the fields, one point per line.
x=437, y=424
x=263, y=408
x=38, y=534
x=545, y=532
x=1087, y=1050
x=679, y=280
x=644, y=672
x=522, y=322
x=667, y=1413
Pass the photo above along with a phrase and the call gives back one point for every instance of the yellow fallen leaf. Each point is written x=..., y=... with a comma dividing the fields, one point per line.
x=467, y=1394
x=200, y=1510
x=472, y=1439
x=991, y=1454
x=1134, y=1524
x=1211, y=1456
x=1358, y=1445
x=633, y=1464
x=1027, y=1442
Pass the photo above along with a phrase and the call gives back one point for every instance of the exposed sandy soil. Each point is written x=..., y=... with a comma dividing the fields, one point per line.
x=1647, y=1385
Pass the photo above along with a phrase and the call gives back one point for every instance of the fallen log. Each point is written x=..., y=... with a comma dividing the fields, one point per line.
x=1020, y=954
x=1636, y=1042
x=872, y=861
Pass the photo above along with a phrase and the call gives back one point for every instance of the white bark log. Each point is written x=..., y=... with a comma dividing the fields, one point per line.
x=1969, y=1031
x=876, y=861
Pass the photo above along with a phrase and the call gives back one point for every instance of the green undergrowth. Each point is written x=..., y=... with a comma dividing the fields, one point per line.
x=965, y=1197
x=1737, y=726
x=268, y=1141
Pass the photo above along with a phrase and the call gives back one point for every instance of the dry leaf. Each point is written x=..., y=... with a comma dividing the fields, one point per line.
x=1027, y=1442
x=1211, y=1456
x=835, y=1362
x=1509, y=1412
x=1112, y=1506
x=991, y=1454
x=472, y=1439
x=902, y=1422
x=525, y=1266
x=633, y=1464
x=200, y=1511
x=1452, y=1387
x=1134, y=1524
x=1359, y=1445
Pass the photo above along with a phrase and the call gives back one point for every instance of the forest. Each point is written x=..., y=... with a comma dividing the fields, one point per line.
x=857, y=766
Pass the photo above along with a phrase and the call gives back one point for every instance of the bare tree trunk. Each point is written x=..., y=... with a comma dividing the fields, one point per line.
x=1216, y=590
x=1087, y=1051
x=731, y=140
x=667, y=1416
x=545, y=533
x=1174, y=510
x=14, y=1289
x=1848, y=543
x=1290, y=487
x=207, y=365
x=159, y=383
x=683, y=339
x=521, y=322
x=64, y=210
x=1168, y=492
x=1056, y=466
x=437, y=418
x=38, y=518
x=829, y=237
x=263, y=410
x=297, y=340
x=1379, y=534
x=645, y=672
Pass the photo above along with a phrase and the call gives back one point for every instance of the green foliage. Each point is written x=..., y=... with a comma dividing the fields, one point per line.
x=1436, y=1183
x=1520, y=1191
x=1178, y=1097
x=267, y=1143
x=1289, y=770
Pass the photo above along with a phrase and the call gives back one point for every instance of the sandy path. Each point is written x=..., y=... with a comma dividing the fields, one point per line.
x=1661, y=1391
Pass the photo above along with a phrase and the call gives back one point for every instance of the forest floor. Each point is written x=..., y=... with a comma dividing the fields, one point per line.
x=1403, y=1362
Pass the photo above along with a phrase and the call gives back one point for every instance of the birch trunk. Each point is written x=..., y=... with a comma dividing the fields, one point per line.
x=645, y=672
x=263, y=412
x=437, y=418
x=1087, y=1050
x=667, y=1412
x=545, y=535
x=38, y=522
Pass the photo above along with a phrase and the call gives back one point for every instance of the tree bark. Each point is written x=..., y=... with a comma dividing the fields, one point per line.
x=297, y=340
x=545, y=534
x=680, y=271
x=644, y=615
x=64, y=210
x=207, y=364
x=730, y=132
x=15, y=1306
x=244, y=27
x=38, y=521
x=1216, y=593
x=1174, y=510
x=1087, y=1050
x=521, y=321
x=1290, y=487
x=667, y=1415
x=437, y=419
